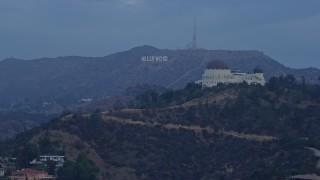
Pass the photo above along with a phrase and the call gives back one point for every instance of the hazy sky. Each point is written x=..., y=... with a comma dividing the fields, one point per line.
x=286, y=30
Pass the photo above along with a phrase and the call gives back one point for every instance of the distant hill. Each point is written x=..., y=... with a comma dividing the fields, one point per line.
x=227, y=132
x=67, y=79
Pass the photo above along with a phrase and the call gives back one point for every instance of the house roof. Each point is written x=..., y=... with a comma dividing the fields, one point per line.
x=306, y=177
x=51, y=156
x=29, y=171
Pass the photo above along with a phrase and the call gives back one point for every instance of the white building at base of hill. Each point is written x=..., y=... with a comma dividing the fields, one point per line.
x=212, y=77
x=56, y=158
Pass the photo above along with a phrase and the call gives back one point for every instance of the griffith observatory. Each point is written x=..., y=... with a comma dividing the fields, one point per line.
x=218, y=72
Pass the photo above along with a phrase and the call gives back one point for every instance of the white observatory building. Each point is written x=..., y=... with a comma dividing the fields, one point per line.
x=218, y=72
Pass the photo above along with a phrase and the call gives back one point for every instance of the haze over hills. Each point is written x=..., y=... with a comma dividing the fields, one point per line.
x=45, y=87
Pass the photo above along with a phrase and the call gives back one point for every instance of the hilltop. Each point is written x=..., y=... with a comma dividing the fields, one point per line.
x=226, y=132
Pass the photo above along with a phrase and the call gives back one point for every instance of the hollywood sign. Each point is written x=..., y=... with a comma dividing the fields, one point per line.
x=154, y=58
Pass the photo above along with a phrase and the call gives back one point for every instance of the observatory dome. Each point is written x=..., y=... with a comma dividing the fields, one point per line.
x=217, y=65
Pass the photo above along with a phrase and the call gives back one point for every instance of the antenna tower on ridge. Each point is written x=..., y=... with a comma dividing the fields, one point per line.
x=194, y=40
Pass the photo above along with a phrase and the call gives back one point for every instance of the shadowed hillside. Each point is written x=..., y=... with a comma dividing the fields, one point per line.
x=225, y=132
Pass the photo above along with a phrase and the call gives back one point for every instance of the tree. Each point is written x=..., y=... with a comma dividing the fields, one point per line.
x=96, y=116
x=82, y=169
x=278, y=84
x=148, y=99
x=27, y=153
x=290, y=80
x=167, y=96
x=51, y=167
x=85, y=169
x=2, y=147
x=303, y=80
x=67, y=171
x=45, y=145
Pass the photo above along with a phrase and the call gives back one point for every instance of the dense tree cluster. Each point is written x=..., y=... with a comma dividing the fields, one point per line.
x=152, y=99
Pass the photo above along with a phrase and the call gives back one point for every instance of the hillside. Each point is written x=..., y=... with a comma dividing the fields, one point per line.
x=66, y=80
x=227, y=132
x=48, y=86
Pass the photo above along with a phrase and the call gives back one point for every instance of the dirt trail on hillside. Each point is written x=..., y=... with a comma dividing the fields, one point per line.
x=195, y=128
